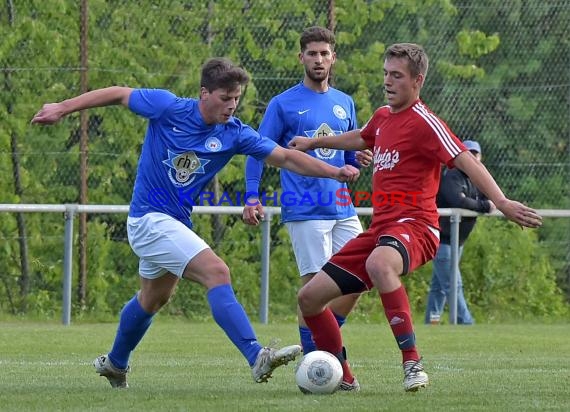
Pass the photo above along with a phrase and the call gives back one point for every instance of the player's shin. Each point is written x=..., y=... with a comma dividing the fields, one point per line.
x=231, y=317
x=398, y=313
x=327, y=337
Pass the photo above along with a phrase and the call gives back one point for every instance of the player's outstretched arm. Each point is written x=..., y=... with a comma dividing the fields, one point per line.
x=480, y=176
x=350, y=140
x=306, y=165
x=51, y=113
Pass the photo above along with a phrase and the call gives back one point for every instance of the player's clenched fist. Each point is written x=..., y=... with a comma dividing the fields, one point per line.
x=301, y=143
x=347, y=173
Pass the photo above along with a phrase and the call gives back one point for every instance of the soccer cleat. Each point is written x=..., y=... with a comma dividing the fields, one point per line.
x=116, y=377
x=414, y=376
x=349, y=387
x=269, y=358
x=344, y=385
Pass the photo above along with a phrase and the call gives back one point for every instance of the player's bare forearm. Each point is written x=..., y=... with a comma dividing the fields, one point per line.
x=350, y=140
x=306, y=165
x=52, y=112
x=480, y=176
x=300, y=163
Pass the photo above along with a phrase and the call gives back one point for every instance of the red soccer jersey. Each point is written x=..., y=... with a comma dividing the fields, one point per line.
x=409, y=149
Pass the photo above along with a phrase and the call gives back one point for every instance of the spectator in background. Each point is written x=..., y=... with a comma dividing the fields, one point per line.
x=320, y=226
x=455, y=190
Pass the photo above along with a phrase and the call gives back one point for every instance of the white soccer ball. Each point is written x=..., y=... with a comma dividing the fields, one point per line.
x=318, y=372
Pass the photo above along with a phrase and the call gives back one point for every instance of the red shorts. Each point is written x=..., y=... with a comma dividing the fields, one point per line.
x=420, y=243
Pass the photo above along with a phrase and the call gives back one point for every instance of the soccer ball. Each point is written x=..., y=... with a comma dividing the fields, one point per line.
x=318, y=372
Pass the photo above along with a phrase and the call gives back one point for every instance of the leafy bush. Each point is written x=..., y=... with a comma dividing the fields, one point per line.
x=507, y=275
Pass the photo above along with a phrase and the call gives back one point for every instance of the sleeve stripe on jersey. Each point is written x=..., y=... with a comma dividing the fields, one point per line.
x=439, y=129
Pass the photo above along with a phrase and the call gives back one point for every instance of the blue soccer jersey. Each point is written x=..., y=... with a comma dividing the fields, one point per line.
x=300, y=111
x=181, y=153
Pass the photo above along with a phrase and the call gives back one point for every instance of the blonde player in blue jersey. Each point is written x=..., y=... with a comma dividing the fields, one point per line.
x=187, y=142
x=319, y=222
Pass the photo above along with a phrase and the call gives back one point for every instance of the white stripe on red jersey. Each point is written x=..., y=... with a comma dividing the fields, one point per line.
x=438, y=128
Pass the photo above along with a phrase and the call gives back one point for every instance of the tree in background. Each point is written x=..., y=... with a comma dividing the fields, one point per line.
x=499, y=74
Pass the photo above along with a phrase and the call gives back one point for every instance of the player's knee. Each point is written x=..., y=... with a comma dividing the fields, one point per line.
x=381, y=272
x=309, y=303
x=219, y=272
x=304, y=301
x=375, y=270
x=209, y=272
x=160, y=302
x=153, y=301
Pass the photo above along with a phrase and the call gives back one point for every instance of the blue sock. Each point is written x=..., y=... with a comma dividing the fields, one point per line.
x=231, y=317
x=133, y=324
x=307, y=341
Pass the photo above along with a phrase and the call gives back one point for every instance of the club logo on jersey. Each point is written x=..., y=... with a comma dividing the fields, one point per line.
x=323, y=130
x=385, y=160
x=339, y=112
x=183, y=166
x=213, y=144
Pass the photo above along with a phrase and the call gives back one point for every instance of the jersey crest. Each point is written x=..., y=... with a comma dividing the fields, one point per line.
x=213, y=144
x=323, y=130
x=182, y=166
x=339, y=112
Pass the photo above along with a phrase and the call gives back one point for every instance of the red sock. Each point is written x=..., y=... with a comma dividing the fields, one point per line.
x=326, y=334
x=399, y=315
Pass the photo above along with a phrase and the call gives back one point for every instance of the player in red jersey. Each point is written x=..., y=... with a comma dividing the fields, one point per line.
x=410, y=143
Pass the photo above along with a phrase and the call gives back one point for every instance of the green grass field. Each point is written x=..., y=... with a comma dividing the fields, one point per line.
x=183, y=366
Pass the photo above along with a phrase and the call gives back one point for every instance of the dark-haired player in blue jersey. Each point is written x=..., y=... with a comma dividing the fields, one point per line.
x=187, y=142
x=318, y=219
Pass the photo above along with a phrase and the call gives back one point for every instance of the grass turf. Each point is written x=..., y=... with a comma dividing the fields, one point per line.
x=182, y=366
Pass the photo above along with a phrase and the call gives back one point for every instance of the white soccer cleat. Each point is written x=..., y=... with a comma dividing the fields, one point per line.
x=269, y=358
x=349, y=387
x=116, y=377
x=414, y=376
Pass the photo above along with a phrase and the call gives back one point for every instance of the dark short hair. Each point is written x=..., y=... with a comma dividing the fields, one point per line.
x=222, y=73
x=415, y=54
x=316, y=34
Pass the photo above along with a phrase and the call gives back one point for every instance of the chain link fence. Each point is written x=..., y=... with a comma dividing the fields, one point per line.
x=499, y=73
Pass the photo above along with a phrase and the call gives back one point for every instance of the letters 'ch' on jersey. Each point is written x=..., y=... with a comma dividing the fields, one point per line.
x=181, y=153
x=409, y=149
x=300, y=111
